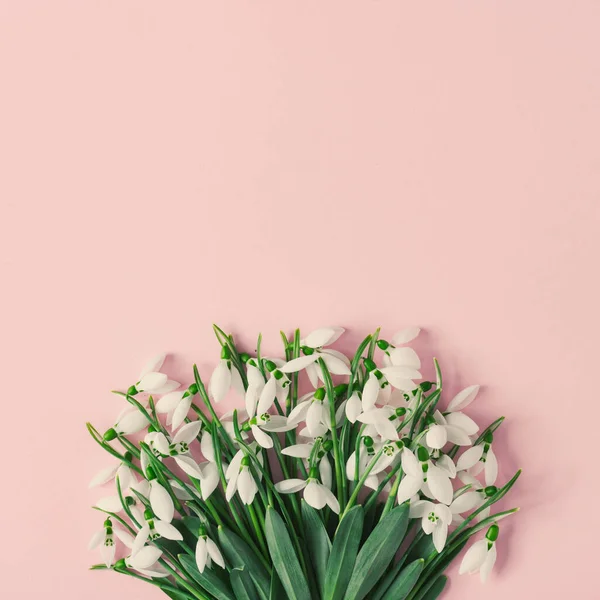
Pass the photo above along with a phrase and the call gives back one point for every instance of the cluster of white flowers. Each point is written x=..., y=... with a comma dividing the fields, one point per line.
x=377, y=430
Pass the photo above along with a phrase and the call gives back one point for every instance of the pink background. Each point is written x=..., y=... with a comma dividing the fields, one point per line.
x=264, y=165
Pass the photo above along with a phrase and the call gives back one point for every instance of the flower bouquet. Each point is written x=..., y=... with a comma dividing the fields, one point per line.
x=363, y=487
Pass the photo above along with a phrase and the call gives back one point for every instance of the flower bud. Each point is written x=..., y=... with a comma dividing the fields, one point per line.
x=120, y=564
x=492, y=533
x=426, y=385
x=277, y=374
x=132, y=391
x=488, y=438
x=320, y=394
x=368, y=441
x=308, y=351
x=193, y=389
x=383, y=345
x=245, y=462
x=400, y=412
x=245, y=357
x=490, y=490
x=270, y=365
x=422, y=454
x=110, y=435
x=129, y=500
x=148, y=514
x=340, y=389
x=225, y=353
x=327, y=445
x=369, y=364
x=150, y=474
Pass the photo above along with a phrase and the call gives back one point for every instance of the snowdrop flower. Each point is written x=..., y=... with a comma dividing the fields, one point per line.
x=120, y=470
x=145, y=561
x=442, y=432
x=455, y=417
x=207, y=550
x=152, y=529
x=240, y=479
x=315, y=493
x=261, y=396
x=382, y=420
x=313, y=349
x=152, y=381
x=160, y=500
x=105, y=538
x=480, y=458
x=224, y=377
x=176, y=405
x=406, y=335
x=481, y=556
x=483, y=493
x=422, y=475
x=268, y=423
x=179, y=448
x=313, y=409
x=113, y=503
x=130, y=421
x=435, y=519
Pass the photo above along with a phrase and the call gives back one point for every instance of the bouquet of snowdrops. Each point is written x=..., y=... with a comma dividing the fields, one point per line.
x=364, y=487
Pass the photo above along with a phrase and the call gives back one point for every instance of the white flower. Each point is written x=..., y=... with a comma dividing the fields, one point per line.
x=120, y=470
x=105, y=538
x=315, y=493
x=224, y=377
x=313, y=409
x=145, y=561
x=480, y=458
x=271, y=424
x=435, y=519
x=207, y=550
x=152, y=529
x=130, y=421
x=161, y=502
x=152, y=381
x=176, y=405
x=406, y=335
x=481, y=556
x=442, y=432
x=379, y=420
x=240, y=479
x=313, y=349
x=179, y=448
x=422, y=475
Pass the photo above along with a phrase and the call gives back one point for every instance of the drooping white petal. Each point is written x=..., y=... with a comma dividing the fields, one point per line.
x=237, y=383
x=145, y=558
x=410, y=464
x=108, y=554
x=436, y=437
x=469, y=458
x=261, y=437
x=159, y=442
x=330, y=499
x=154, y=364
x=405, y=357
x=267, y=396
x=161, y=502
x=353, y=407
x=439, y=484
x=251, y=398
x=277, y=423
x=169, y=402
x=255, y=377
x=188, y=432
x=313, y=417
x=235, y=464
x=386, y=429
x=167, y=388
x=167, y=530
x=464, y=503
x=370, y=392
x=463, y=398
x=132, y=422
x=110, y=504
x=97, y=539
x=405, y=335
x=151, y=381
x=290, y=486
x=126, y=538
x=247, y=487
x=314, y=495
x=313, y=372
x=215, y=553
x=181, y=412
x=140, y=539
x=298, y=450
x=491, y=468
x=326, y=472
x=188, y=465
x=440, y=534
x=104, y=476
x=462, y=421
x=408, y=487
x=398, y=375
x=474, y=557
x=488, y=564
x=209, y=480
x=201, y=554
x=445, y=463
x=458, y=436
x=334, y=363
x=207, y=447
x=297, y=364
x=220, y=381
x=323, y=336
x=420, y=508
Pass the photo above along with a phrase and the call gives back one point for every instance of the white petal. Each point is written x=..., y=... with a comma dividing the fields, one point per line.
x=108, y=554
x=420, y=508
x=314, y=495
x=488, y=564
x=160, y=442
x=469, y=458
x=255, y=377
x=474, y=557
x=169, y=402
x=330, y=499
x=313, y=374
x=140, y=539
x=247, y=487
x=155, y=364
x=132, y=422
x=209, y=480
x=110, y=503
x=104, y=476
x=181, y=412
x=97, y=539
x=436, y=437
x=408, y=487
x=326, y=472
x=188, y=432
x=405, y=357
x=161, y=502
x=444, y=513
x=386, y=429
x=126, y=538
x=237, y=383
x=290, y=486
x=167, y=530
x=410, y=464
x=458, y=436
x=251, y=398
x=220, y=381
x=445, y=463
x=297, y=364
x=207, y=448
x=151, y=381
x=167, y=388
x=463, y=398
x=491, y=468
x=215, y=553
x=145, y=558
x=261, y=437
x=405, y=336
x=267, y=396
x=353, y=407
x=335, y=364
x=440, y=484
x=188, y=465
x=459, y=419
x=201, y=554
x=464, y=503
x=370, y=392
x=298, y=450
x=440, y=533
x=398, y=375
x=313, y=417
x=234, y=465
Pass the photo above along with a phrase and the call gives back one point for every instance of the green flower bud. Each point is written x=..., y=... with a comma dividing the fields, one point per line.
x=492, y=533
x=193, y=389
x=129, y=500
x=110, y=435
x=132, y=391
x=128, y=456
x=340, y=389
x=245, y=357
x=400, y=412
x=488, y=438
x=422, y=454
x=308, y=351
x=225, y=353
x=426, y=385
x=320, y=394
x=328, y=446
x=202, y=532
x=490, y=490
x=120, y=564
x=151, y=429
x=369, y=364
x=245, y=461
x=277, y=374
x=108, y=523
x=148, y=514
x=270, y=365
x=383, y=345
x=150, y=474
x=248, y=425
x=368, y=441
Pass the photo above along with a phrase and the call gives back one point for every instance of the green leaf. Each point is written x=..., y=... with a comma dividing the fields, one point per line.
x=284, y=557
x=317, y=542
x=405, y=581
x=277, y=591
x=241, y=582
x=240, y=555
x=208, y=580
x=343, y=554
x=385, y=582
x=436, y=589
x=377, y=553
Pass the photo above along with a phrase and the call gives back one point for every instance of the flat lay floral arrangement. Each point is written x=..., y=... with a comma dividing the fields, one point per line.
x=367, y=486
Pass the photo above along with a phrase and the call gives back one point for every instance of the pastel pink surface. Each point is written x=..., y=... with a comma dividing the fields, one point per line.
x=276, y=164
